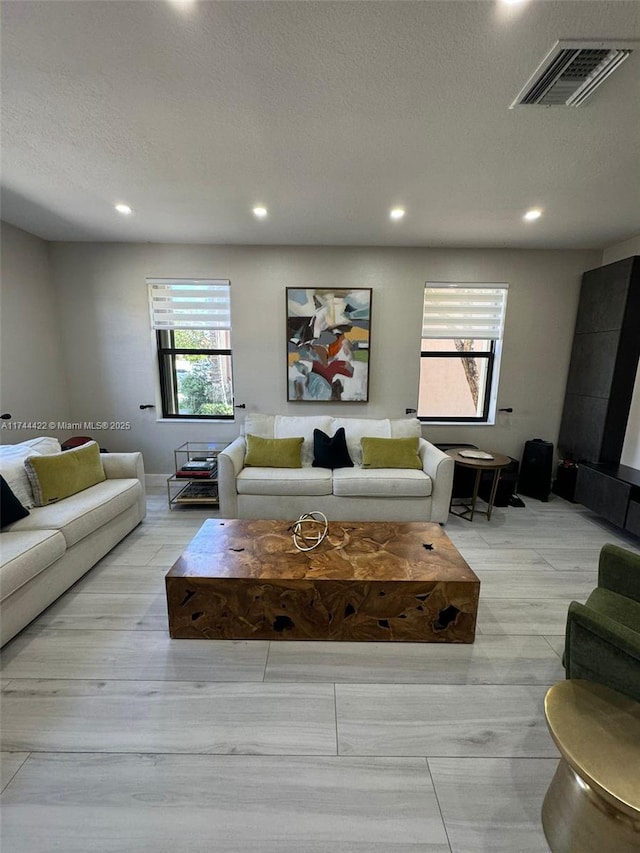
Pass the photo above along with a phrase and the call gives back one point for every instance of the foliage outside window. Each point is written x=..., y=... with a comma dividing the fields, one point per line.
x=462, y=333
x=192, y=324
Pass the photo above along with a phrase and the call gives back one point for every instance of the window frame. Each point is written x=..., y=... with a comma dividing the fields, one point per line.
x=492, y=355
x=167, y=381
x=200, y=311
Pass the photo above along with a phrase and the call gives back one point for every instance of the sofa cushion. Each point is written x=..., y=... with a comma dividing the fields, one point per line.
x=12, y=468
x=286, y=426
x=44, y=445
x=356, y=428
x=390, y=453
x=10, y=507
x=273, y=452
x=381, y=483
x=24, y=555
x=405, y=427
x=258, y=424
x=60, y=475
x=284, y=481
x=79, y=515
x=330, y=451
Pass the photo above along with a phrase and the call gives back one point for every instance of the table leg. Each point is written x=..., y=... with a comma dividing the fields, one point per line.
x=494, y=489
x=476, y=487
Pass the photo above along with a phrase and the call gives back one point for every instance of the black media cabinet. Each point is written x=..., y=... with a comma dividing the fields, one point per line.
x=613, y=491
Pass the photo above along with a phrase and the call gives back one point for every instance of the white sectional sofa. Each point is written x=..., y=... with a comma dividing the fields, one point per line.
x=42, y=554
x=347, y=494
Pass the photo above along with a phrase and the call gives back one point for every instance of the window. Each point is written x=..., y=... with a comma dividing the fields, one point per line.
x=462, y=330
x=192, y=324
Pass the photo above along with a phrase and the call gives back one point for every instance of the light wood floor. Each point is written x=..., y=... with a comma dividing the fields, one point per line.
x=115, y=738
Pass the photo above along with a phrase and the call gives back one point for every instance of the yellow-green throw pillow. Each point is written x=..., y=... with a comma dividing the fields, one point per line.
x=62, y=474
x=390, y=452
x=273, y=452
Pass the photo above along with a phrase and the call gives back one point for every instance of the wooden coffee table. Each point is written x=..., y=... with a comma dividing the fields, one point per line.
x=244, y=579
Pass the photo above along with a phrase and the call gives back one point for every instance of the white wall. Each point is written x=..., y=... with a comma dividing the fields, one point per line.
x=109, y=352
x=621, y=251
x=32, y=376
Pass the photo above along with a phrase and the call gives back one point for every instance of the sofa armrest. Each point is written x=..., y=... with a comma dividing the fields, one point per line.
x=619, y=571
x=230, y=463
x=598, y=648
x=120, y=466
x=439, y=467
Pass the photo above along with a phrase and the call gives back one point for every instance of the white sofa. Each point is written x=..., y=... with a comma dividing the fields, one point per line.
x=347, y=494
x=42, y=554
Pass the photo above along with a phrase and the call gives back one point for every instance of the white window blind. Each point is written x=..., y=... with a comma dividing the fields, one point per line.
x=464, y=311
x=189, y=303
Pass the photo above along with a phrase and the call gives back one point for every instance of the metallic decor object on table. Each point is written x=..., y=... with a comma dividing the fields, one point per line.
x=309, y=530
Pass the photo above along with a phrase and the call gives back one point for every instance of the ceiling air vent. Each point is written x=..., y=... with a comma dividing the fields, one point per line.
x=572, y=71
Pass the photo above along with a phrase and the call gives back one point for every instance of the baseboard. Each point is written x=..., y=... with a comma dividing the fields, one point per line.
x=155, y=481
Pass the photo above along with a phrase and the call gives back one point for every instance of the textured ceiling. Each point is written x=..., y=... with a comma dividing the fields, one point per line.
x=327, y=113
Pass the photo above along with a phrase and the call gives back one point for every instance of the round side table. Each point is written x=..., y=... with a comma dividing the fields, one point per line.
x=495, y=464
x=593, y=801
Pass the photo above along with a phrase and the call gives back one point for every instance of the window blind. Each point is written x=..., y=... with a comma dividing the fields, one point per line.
x=189, y=303
x=464, y=311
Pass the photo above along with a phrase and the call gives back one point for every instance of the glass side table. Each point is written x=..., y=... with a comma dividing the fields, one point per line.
x=195, y=480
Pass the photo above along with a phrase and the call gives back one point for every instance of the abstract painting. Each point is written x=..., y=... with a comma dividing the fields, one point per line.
x=328, y=334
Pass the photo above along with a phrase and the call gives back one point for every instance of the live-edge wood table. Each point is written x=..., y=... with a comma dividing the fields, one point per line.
x=495, y=464
x=244, y=579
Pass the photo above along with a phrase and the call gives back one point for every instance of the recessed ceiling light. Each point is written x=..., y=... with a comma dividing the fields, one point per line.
x=124, y=209
x=260, y=212
x=531, y=215
x=397, y=212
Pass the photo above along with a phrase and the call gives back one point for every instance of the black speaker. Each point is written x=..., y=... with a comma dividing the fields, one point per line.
x=536, y=469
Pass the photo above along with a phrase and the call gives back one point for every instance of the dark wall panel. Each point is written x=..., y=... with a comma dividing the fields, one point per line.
x=603, y=297
x=604, y=360
x=593, y=362
x=582, y=427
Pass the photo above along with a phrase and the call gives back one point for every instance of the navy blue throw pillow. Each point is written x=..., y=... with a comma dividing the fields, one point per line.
x=330, y=451
x=10, y=507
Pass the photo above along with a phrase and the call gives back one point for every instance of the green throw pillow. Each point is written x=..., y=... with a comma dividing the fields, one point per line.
x=273, y=452
x=391, y=452
x=62, y=474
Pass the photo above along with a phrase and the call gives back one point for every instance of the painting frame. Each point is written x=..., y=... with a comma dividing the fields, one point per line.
x=328, y=340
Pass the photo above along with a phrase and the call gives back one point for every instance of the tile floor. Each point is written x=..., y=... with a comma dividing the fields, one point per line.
x=115, y=738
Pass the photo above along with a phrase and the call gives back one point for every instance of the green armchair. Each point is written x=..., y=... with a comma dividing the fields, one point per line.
x=603, y=635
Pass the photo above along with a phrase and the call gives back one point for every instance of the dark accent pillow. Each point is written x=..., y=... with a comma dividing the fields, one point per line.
x=330, y=452
x=10, y=507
